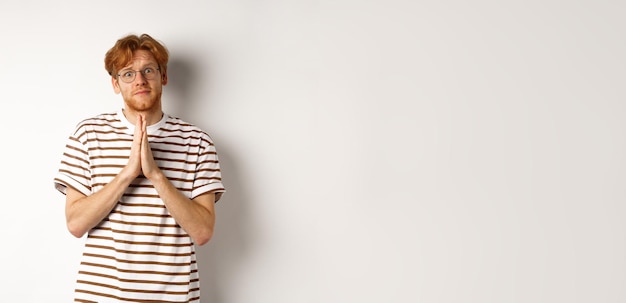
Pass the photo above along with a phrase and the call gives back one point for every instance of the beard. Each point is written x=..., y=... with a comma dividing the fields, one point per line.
x=143, y=103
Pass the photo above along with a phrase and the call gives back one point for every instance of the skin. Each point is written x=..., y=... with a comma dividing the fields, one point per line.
x=142, y=107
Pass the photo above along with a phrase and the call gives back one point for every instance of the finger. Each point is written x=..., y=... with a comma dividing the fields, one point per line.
x=137, y=137
x=142, y=122
x=144, y=129
x=134, y=161
x=138, y=126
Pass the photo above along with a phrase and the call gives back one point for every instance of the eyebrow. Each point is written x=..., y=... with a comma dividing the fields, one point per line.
x=141, y=68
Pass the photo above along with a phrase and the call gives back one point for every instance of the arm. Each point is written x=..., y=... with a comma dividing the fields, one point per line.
x=82, y=212
x=197, y=216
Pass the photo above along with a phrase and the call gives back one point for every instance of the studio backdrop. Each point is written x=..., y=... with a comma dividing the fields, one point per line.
x=372, y=151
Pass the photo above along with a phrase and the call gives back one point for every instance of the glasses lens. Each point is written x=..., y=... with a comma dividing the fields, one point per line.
x=127, y=76
x=148, y=73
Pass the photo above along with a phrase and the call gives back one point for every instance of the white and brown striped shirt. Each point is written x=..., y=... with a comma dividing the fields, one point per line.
x=138, y=253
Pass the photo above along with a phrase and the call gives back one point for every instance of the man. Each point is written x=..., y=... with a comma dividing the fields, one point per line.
x=142, y=185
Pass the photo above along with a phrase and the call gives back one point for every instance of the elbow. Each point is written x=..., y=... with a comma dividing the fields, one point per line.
x=76, y=230
x=76, y=233
x=203, y=237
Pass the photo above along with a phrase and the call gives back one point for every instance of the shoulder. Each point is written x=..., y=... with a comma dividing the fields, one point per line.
x=187, y=129
x=95, y=123
x=101, y=119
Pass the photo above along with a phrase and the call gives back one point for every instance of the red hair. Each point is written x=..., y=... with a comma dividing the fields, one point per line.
x=121, y=54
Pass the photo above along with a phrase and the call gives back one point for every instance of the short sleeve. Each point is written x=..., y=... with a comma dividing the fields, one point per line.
x=74, y=168
x=208, y=177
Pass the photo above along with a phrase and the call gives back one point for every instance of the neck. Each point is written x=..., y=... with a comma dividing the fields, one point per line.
x=152, y=117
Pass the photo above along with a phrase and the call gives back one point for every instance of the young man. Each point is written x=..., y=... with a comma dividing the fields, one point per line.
x=142, y=185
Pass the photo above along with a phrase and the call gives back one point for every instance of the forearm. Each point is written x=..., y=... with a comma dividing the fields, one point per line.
x=85, y=212
x=197, y=218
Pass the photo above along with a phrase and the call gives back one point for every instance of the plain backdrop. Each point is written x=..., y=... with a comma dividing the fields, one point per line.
x=373, y=151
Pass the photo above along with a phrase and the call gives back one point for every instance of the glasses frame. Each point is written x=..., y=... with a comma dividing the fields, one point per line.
x=119, y=76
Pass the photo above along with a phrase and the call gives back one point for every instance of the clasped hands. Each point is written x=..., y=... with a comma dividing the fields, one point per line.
x=141, y=159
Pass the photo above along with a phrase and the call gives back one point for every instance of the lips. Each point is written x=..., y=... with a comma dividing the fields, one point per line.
x=142, y=92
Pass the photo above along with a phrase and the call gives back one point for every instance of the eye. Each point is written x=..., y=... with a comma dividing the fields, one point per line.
x=128, y=74
x=148, y=70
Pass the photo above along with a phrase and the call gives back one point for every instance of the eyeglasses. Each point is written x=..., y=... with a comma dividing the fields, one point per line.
x=128, y=75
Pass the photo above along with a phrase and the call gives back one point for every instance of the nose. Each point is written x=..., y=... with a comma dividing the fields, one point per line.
x=140, y=78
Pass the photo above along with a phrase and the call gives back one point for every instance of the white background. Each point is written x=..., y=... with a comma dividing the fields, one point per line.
x=373, y=151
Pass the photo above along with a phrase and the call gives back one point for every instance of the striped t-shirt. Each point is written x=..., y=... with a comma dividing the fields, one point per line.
x=138, y=253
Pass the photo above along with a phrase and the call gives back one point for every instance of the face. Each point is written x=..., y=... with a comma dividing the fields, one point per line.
x=141, y=95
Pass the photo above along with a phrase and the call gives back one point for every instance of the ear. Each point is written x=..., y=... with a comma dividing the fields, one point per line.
x=164, y=79
x=116, y=85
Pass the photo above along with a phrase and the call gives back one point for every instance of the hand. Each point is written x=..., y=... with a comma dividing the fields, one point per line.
x=148, y=165
x=134, y=160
